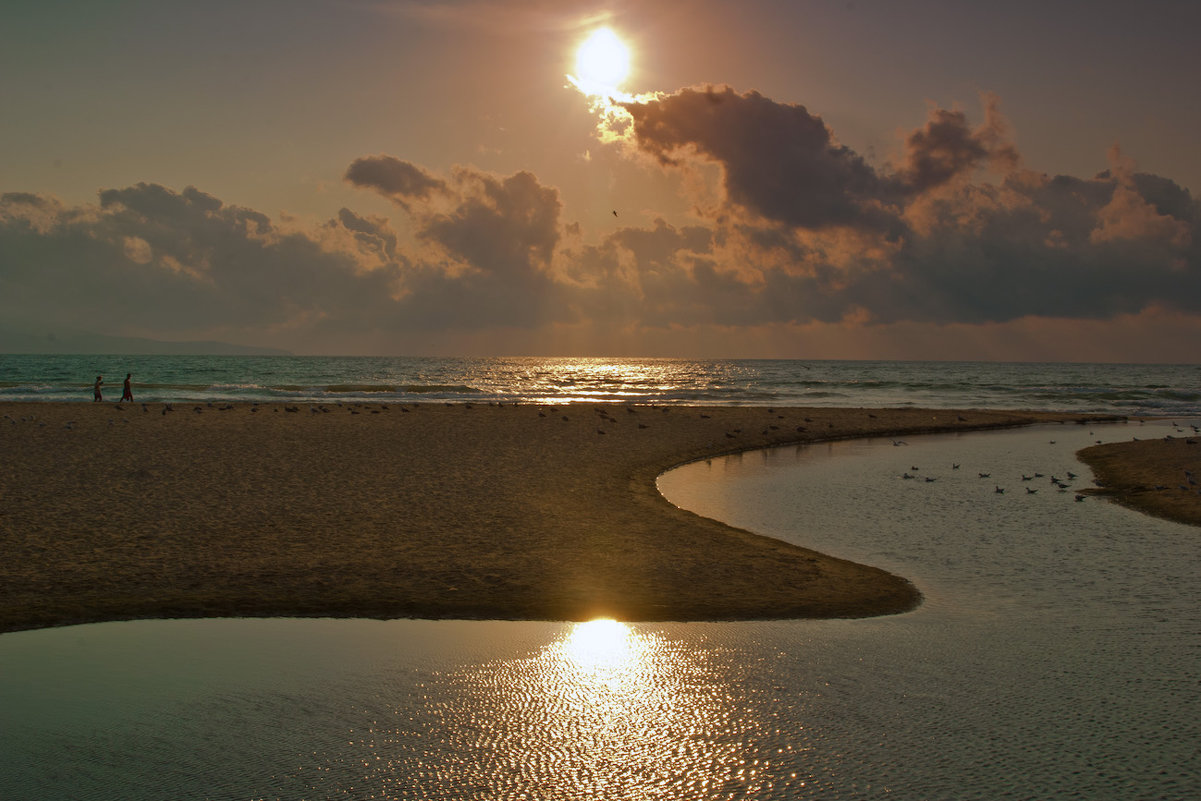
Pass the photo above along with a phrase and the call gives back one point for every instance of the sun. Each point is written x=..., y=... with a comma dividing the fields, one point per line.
x=602, y=62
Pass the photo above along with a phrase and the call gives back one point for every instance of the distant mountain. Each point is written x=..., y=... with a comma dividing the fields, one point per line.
x=83, y=342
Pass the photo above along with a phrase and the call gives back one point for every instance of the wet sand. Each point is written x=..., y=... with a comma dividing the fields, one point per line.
x=1161, y=476
x=435, y=511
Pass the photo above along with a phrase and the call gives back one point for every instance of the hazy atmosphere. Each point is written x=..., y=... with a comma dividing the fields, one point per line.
x=927, y=180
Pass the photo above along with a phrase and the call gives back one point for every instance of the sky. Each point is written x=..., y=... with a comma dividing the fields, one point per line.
x=795, y=179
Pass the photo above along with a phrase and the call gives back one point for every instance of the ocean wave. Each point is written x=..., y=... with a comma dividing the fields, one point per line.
x=1164, y=390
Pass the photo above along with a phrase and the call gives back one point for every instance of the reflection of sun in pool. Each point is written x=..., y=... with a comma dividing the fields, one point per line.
x=599, y=645
x=603, y=710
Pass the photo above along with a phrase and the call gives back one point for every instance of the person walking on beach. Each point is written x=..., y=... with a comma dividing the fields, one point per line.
x=96, y=389
x=127, y=393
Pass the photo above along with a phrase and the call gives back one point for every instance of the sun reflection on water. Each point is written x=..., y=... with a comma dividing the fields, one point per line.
x=603, y=647
x=605, y=710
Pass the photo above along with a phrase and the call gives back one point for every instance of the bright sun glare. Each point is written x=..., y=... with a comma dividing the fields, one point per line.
x=599, y=644
x=602, y=62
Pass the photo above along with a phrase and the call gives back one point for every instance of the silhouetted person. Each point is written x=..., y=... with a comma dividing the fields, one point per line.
x=126, y=392
x=96, y=396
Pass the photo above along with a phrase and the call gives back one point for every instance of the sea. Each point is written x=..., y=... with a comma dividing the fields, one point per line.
x=1127, y=389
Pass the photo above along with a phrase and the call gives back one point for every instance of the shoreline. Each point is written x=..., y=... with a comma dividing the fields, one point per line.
x=433, y=511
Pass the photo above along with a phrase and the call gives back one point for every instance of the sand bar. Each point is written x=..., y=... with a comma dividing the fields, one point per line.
x=431, y=511
x=1160, y=476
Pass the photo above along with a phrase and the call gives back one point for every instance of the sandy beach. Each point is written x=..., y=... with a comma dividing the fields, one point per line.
x=436, y=511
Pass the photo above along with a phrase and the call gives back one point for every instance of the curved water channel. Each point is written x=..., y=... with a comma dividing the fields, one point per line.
x=1056, y=655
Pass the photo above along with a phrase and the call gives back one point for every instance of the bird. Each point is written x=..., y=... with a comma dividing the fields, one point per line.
x=985, y=475
x=1030, y=491
x=999, y=490
x=614, y=212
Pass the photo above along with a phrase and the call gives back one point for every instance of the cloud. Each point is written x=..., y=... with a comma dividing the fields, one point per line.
x=148, y=259
x=803, y=236
x=946, y=149
x=486, y=247
x=479, y=252
x=777, y=160
x=834, y=238
x=1129, y=216
x=783, y=164
x=399, y=181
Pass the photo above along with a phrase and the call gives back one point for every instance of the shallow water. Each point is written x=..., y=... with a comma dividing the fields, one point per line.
x=1056, y=656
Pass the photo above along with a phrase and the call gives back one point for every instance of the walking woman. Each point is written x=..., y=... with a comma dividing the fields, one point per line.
x=96, y=389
